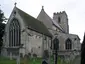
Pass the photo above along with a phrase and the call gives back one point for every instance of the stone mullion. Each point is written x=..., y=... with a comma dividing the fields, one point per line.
x=19, y=35
x=10, y=38
x=13, y=37
x=16, y=37
x=14, y=34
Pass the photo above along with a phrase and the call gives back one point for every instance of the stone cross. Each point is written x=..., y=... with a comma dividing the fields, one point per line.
x=43, y=7
x=15, y=3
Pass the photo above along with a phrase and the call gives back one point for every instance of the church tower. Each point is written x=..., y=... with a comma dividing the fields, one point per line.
x=62, y=20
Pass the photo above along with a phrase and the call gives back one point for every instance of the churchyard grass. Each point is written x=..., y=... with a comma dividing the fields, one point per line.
x=4, y=60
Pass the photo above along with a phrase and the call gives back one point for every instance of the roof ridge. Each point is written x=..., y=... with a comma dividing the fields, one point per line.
x=24, y=12
x=45, y=13
x=28, y=14
x=33, y=23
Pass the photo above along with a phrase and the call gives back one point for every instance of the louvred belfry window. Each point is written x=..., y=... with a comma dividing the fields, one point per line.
x=14, y=33
x=59, y=20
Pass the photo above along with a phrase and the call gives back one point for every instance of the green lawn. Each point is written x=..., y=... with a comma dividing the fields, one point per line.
x=29, y=61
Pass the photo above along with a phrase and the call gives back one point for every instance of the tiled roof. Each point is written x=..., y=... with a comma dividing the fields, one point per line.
x=33, y=23
x=43, y=16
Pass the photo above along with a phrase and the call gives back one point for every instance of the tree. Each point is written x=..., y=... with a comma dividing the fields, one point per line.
x=83, y=51
x=2, y=26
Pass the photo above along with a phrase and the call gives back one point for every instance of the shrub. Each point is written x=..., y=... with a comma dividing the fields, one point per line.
x=34, y=55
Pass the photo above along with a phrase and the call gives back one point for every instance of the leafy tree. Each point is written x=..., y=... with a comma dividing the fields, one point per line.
x=2, y=26
x=83, y=51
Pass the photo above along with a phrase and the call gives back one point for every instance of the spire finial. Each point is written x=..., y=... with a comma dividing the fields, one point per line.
x=15, y=4
x=43, y=7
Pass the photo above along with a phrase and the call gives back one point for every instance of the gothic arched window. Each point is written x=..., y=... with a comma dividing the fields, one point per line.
x=56, y=44
x=59, y=19
x=14, y=33
x=68, y=44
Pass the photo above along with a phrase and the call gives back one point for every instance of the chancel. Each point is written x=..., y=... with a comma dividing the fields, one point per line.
x=25, y=34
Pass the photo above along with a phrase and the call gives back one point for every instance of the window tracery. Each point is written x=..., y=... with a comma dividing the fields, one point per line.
x=14, y=33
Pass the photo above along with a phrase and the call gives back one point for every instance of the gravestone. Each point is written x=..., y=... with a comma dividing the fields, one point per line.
x=18, y=60
x=25, y=59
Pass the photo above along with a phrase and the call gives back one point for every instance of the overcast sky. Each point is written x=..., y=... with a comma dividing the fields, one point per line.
x=75, y=10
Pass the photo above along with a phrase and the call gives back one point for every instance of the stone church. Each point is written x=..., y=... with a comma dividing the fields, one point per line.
x=25, y=34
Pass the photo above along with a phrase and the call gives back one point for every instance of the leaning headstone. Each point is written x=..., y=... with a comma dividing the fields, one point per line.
x=18, y=60
x=25, y=59
x=10, y=55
